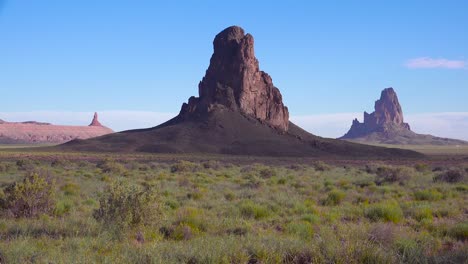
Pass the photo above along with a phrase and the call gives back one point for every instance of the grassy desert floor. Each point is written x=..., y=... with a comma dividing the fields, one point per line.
x=447, y=150
x=210, y=209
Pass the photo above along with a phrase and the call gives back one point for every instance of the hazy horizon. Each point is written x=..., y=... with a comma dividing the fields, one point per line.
x=330, y=61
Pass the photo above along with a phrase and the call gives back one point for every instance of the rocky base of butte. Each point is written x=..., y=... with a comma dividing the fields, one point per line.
x=32, y=132
x=238, y=111
x=386, y=126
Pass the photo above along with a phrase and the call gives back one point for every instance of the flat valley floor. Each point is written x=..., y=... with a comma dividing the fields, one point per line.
x=142, y=208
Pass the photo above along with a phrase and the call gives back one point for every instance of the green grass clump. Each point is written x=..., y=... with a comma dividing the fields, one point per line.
x=428, y=195
x=388, y=212
x=459, y=231
x=249, y=209
x=334, y=198
x=302, y=229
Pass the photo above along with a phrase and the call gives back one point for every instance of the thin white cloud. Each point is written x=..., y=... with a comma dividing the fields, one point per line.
x=450, y=124
x=430, y=63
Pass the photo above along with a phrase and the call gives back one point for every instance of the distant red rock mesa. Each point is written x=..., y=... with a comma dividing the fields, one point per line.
x=32, y=132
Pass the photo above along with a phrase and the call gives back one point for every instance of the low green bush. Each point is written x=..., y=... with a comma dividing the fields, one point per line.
x=459, y=231
x=321, y=166
x=387, y=174
x=33, y=196
x=250, y=209
x=388, y=212
x=185, y=166
x=428, y=195
x=111, y=166
x=302, y=229
x=125, y=205
x=450, y=176
x=334, y=198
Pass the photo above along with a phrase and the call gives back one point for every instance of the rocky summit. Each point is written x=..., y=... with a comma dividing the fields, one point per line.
x=386, y=126
x=238, y=111
x=32, y=132
x=234, y=81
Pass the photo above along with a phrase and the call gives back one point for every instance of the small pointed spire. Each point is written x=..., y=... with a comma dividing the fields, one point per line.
x=95, y=121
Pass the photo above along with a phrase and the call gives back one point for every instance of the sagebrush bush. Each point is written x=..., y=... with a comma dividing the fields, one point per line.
x=125, y=205
x=450, y=176
x=302, y=229
x=428, y=195
x=459, y=231
x=321, y=166
x=185, y=166
x=392, y=175
x=388, y=212
x=33, y=196
x=251, y=210
x=111, y=166
x=334, y=198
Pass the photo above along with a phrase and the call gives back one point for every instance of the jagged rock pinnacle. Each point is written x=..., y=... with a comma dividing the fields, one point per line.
x=95, y=121
x=388, y=115
x=233, y=80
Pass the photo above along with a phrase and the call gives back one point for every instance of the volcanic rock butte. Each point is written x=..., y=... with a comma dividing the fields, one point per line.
x=386, y=126
x=239, y=111
x=234, y=80
x=32, y=132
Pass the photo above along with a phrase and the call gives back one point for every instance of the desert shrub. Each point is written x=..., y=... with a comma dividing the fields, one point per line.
x=392, y=175
x=230, y=195
x=311, y=218
x=70, y=189
x=382, y=233
x=409, y=251
x=450, y=176
x=124, y=205
x=388, y=212
x=183, y=232
x=185, y=166
x=33, y=196
x=267, y=172
x=281, y=181
x=212, y=164
x=251, y=210
x=459, y=231
x=302, y=229
x=111, y=166
x=428, y=195
x=62, y=208
x=421, y=213
x=6, y=167
x=421, y=167
x=191, y=217
x=321, y=166
x=334, y=198
x=25, y=164
x=60, y=163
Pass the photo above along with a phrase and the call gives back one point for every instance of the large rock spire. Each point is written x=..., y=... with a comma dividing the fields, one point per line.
x=233, y=80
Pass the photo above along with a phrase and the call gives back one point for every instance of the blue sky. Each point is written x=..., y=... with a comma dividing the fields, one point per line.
x=326, y=57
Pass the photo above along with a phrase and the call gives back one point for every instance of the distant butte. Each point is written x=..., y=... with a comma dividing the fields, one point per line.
x=32, y=132
x=238, y=111
x=386, y=126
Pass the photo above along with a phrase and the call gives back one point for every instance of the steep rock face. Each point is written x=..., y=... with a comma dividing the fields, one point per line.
x=386, y=126
x=32, y=132
x=233, y=80
x=95, y=121
x=388, y=115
